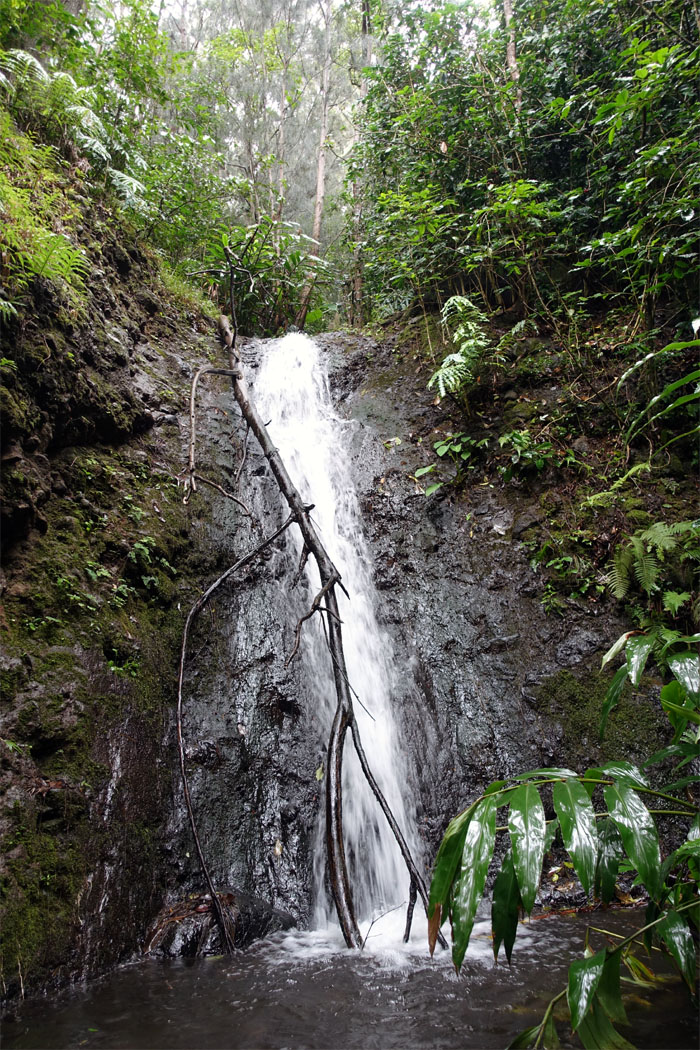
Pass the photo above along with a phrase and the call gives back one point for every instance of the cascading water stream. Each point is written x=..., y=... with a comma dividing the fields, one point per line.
x=292, y=393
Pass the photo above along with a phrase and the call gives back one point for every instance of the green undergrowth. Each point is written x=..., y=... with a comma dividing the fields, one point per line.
x=592, y=438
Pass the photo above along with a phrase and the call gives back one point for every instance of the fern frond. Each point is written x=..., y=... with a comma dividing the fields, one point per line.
x=93, y=146
x=660, y=536
x=619, y=575
x=646, y=570
x=7, y=310
x=676, y=528
x=22, y=63
x=87, y=119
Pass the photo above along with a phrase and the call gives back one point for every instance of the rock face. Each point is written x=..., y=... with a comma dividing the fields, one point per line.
x=103, y=562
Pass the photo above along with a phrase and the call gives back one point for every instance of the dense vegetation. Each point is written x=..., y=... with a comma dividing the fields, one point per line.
x=518, y=190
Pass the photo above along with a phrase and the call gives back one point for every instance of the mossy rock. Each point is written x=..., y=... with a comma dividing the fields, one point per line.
x=635, y=730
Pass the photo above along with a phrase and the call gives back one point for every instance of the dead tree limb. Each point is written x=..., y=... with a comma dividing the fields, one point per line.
x=191, y=483
x=194, y=611
x=416, y=878
x=315, y=605
x=219, y=488
x=344, y=718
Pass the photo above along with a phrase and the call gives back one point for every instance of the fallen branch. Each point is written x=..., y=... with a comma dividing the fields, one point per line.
x=315, y=605
x=344, y=718
x=219, y=488
x=191, y=484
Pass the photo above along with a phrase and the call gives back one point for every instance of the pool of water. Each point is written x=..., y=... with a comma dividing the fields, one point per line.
x=297, y=990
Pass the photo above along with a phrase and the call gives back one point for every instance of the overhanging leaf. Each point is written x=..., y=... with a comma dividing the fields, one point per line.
x=578, y=828
x=676, y=935
x=637, y=653
x=505, y=907
x=612, y=697
x=546, y=774
x=616, y=648
x=469, y=885
x=446, y=866
x=610, y=853
x=609, y=989
x=638, y=832
x=584, y=977
x=596, y=1032
x=527, y=828
x=686, y=668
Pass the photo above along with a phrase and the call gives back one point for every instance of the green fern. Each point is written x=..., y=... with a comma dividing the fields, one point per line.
x=661, y=536
x=619, y=577
x=645, y=566
x=465, y=324
x=665, y=557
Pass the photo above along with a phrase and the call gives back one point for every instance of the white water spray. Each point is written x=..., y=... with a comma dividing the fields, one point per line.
x=292, y=392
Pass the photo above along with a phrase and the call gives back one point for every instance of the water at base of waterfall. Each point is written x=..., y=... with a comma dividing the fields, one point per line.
x=306, y=991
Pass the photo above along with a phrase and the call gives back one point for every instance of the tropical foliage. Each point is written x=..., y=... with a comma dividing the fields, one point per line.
x=604, y=819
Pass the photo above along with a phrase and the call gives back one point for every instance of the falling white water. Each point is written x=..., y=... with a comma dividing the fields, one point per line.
x=292, y=393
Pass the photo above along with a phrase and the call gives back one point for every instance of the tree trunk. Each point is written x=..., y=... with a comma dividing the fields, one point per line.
x=511, y=56
x=356, y=293
x=320, y=161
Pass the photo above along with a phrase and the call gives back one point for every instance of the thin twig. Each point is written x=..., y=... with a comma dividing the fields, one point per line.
x=384, y=805
x=222, y=490
x=191, y=484
x=237, y=479
x=314, y=609
x=409, y=910
x=194, y=611
x=377, y=918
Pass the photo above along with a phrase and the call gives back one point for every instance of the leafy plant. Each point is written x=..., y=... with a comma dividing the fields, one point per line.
x=528, y=455
x=658, y=560
x=465, y=324
x=603, y=820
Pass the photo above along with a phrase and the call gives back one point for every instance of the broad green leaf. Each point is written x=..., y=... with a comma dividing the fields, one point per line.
x=578, y=828
x=637, y=653
x=609, y=989
x=584, y=977
x=678, y=785
x=469, y=885
x=676, y=935
x=596, y=1032
x=527, y=826
x=686, y=668
x=625, y=773
x=686, y=749
x=610, y=853
x=612, y=697
x=446, y=866
x=550, y=834
x=638, y=832
x=505, y=907
x=616, y=648
x=679, y=706
x=550, y=1040
x=546, y=774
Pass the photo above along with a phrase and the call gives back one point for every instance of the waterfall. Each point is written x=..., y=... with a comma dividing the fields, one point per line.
x=292, y=393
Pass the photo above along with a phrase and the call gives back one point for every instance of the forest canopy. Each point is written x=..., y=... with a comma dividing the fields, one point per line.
x=377, y=157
